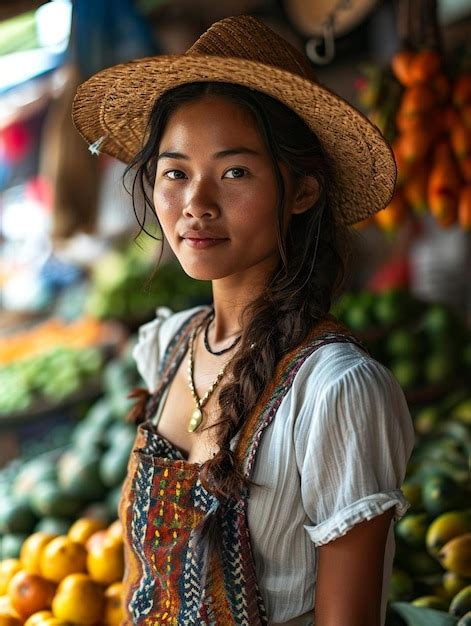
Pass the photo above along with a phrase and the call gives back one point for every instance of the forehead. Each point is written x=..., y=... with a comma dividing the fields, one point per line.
x=211, y=119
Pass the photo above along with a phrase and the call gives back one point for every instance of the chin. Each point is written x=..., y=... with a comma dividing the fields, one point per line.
x=204, y=273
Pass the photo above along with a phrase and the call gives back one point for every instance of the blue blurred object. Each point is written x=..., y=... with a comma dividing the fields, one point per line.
x=57, y=275
x=107, y=33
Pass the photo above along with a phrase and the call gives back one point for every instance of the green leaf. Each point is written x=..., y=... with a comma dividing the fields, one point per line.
x=418, y=616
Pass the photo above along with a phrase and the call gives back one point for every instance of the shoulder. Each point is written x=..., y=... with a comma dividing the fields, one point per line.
x=153, y=339
x=340, y=379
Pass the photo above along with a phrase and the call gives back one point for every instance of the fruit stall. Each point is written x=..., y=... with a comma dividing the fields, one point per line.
x=73, y=297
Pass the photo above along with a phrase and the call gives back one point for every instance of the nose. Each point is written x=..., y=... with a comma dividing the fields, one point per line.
x=201, y=200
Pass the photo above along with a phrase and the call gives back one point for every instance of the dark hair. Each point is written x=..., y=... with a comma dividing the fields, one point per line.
x=302, y=287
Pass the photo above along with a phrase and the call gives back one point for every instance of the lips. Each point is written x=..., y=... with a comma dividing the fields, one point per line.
x=201, y=235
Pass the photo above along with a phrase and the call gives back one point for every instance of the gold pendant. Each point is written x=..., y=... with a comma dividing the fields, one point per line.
x=195, y=420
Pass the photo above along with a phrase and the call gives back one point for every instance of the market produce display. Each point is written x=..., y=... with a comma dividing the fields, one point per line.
x=50, y=361
x=124, y=287
x=55, y=508
x=422, y=103
x=48, y=492
x=426, y=345
x=74, y=578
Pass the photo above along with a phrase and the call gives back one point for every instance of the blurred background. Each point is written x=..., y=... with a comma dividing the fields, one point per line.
x=77, y=276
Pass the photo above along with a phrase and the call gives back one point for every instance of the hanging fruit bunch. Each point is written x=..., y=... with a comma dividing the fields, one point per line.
x=428, y=122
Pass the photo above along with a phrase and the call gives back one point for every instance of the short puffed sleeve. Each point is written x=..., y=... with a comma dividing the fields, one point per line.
x=354, y=442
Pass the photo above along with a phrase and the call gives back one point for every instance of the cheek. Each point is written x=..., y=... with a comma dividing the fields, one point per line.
x=166, y=204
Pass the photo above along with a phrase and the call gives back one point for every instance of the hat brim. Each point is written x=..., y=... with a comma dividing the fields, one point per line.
x=114, y=106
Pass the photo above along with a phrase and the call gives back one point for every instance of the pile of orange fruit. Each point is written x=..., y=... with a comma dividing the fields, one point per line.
x=65, y=580
x=432, y=142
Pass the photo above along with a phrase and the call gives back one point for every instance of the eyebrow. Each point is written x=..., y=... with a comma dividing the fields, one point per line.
x=217, y=155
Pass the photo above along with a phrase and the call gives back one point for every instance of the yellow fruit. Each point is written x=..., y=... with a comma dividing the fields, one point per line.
x=455, y=555
x=115, y=531
x=8, y=569
x=31, y=550
x=83, y=529
x=114, y=614
x=452, y=583
x=445, y=527
x=37, y=619
x=6, y=619
x=62, y=557
x=105, y=563
x=79, y=600
x=53, y=621
x=431, y=602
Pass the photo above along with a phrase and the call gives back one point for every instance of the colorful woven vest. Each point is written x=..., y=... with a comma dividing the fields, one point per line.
x=164, y=504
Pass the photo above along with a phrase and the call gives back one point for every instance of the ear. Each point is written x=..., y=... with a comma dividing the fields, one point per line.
x=306, y=195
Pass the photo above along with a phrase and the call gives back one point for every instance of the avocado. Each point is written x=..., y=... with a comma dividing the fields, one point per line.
x=461, y=603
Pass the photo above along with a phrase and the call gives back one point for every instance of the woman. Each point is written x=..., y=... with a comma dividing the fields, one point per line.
x=271, y=447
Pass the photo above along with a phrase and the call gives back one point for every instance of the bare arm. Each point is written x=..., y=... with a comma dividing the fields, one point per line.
x=350, y=575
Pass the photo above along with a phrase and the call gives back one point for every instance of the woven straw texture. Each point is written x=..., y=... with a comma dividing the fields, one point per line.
x=114, y=106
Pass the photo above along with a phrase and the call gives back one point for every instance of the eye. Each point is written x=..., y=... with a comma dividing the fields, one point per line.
x=174, y=174
x=235, y=172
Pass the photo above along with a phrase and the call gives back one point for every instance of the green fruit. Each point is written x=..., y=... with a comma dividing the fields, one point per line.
x=426, y=420
x=445, y=527
x=403, y=343
x=50, y=500
x=10, y=545
x=439, y=368
x=413, y=493
x=438, y=319
x=357, y=318
x=112, y=501
x=406, y=372
x=455, y=555
x=401, y=586
x=461, y=603
x=412, y=529
x=53, y=525
x=465, y=620
x=78, y=475
x=462, y=411
x=440, y=494
x=15, y=517
x=32, y=473
x=431, y=602
x=113, y=466
x=393, y=306
x=422, y=564
x=452, y=583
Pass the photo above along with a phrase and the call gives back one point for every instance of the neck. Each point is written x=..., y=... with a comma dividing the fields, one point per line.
x=230, y=300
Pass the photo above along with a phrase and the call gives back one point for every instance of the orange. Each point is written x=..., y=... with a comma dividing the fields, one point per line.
x=37, y=619
x=31, y=550
x=96, y=539
x=53, y=621
x=8, y=569
x=79, y=599
x=114, y=614
x=62, y=557
x=83, y=529
x=105, y=563
x=29, y=593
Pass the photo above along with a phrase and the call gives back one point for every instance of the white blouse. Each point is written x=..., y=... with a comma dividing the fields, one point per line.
x=334, y=455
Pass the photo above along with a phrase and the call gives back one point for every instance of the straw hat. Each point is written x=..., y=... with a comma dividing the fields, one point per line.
x=111, y=109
